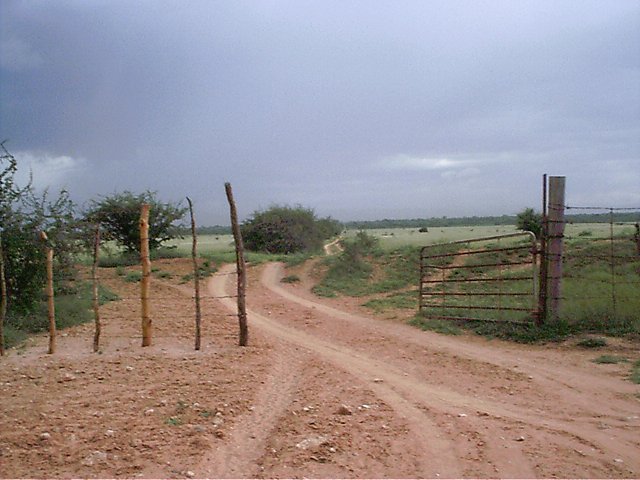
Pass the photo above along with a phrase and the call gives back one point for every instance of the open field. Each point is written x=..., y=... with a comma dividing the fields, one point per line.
x=392, y=238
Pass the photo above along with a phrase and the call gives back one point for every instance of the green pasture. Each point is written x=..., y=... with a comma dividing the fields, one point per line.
x=207, y=244
x=392, y=238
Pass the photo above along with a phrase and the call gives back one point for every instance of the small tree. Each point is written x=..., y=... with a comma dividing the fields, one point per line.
x=287, y=230
x=119, y=215
x=529, y=221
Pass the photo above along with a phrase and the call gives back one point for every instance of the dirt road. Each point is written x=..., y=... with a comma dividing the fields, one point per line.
x=324, y=390
x=470, y=407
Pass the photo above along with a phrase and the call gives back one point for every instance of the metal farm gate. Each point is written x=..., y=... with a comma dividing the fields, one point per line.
x=486, y=279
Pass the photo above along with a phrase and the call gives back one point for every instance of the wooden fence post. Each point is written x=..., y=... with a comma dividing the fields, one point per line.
x=3, y=296
x=196, y=274
x=51, y=308
x=240, y=266
x=96, y=297
x=146, y=274
x=555, y=243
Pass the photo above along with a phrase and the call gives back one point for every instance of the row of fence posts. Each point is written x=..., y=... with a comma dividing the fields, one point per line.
x=145, y=283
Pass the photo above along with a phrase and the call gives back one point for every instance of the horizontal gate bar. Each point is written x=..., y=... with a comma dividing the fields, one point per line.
x=462, y=280
x=488, y=294
x=475, y=307
x=473, y=252
x=449, y=267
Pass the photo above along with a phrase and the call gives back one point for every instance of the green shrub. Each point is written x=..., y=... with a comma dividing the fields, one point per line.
x=287, y=230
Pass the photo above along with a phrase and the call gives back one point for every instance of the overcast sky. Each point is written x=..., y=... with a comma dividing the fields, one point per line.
x=357, y=109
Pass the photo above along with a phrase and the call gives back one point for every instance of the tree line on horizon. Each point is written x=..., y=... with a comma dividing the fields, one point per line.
x=433, y=222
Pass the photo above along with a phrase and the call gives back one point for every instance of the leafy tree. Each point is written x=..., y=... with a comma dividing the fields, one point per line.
x=119, y=216
x=282, y=229
x=530, y=221
x=22, y=215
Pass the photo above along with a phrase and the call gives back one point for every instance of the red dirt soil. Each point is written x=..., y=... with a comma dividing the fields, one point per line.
x=325, y=389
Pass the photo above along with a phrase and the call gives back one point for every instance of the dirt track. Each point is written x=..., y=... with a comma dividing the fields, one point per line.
x=325, y=390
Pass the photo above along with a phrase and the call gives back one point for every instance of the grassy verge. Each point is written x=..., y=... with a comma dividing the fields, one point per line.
x=363, y=268
x=71, y=309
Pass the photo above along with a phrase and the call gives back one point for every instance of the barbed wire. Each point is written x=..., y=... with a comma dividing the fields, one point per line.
x=615, y=209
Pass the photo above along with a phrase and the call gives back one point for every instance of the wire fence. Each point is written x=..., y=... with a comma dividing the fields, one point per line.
x=601, y=265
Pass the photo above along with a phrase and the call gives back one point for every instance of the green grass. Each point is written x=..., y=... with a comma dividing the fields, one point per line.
x=436, y=325
x=592, y=343
x=291, y=279
x=173, y=421
x=609, y=359
x=393, y=301
x=635, y=372
x=133, y=277
x=71, y=309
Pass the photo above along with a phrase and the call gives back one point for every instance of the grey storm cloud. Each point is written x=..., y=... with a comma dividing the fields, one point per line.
x=360, y=109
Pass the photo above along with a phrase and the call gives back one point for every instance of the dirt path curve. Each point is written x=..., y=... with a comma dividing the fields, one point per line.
x=333, y=247
x=474, y=408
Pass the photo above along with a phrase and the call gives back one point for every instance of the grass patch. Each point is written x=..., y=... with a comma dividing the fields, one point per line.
x=173, y=421
x=291, y=279
x=393, y=301
x=635, y=372
x=115, y=260
x=163, y=274
x=71, y=309
x=133, y=277
x=435, y=325
x=609, y=359
x=592, y=343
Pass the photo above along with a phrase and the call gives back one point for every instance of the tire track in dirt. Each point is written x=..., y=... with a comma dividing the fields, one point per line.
x=438, y=453
x=237, y=457
x=562, y=429
x=575, y=382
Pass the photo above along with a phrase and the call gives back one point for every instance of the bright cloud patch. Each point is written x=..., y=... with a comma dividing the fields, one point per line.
x=406, y=162
x=47, y=170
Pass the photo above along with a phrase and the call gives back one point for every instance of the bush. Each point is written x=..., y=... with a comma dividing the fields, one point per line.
x=286, y=230
x=529, y=221
x=119, y=217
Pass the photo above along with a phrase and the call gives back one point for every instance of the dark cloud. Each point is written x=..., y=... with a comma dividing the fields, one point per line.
x=357, y=109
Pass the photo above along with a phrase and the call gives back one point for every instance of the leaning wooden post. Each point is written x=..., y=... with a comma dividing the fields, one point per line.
x=51, y=308
x=3, y=296
x=96, y=298
x=240, y=266
x=196, y=273
x=555, y=243
x=146, y=274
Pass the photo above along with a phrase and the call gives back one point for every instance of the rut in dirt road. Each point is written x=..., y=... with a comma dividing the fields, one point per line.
x=430, y=408
x=438, y=458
